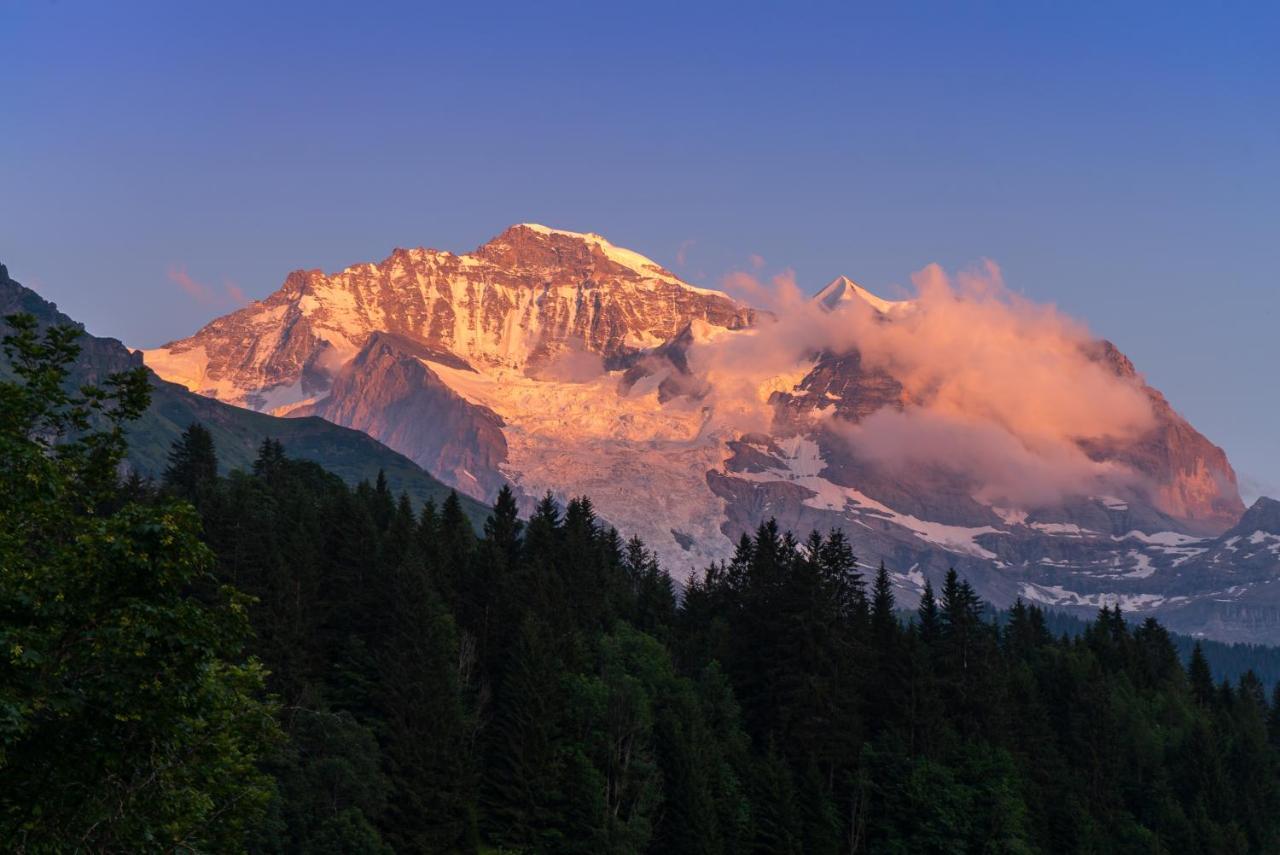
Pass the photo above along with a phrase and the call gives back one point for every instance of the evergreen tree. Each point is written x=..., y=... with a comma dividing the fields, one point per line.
x=427, y=746
x=193, y=464
x=1200, y=677
x=457, y=541
x=928, y=616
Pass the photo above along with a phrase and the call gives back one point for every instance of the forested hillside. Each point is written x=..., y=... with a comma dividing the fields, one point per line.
x=535, y=686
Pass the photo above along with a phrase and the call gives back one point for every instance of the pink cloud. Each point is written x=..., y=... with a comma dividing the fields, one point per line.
x=197, y=291
x=995, y=388
x=757, y=261
x=777, y=293
x=230, y=295
x=682, y=251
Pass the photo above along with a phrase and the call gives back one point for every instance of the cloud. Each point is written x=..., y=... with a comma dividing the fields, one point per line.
x=574, y=364
x=230, y=295
x=197, y=291
x=997, y=466
x=996, y=389
x=777, y=294
x=1253, y=488
x=236, y=293
x=756, y=261
x=971, y=347
x=682, y=251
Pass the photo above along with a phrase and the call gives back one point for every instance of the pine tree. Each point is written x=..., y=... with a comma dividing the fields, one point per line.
x=523, y=742
x=498, y=603
x=1273, y=719
x=193, y=464
x=382, y=503
x=502, y=529
x=456, y=543
x=776, y=818
x=1200, y=678
x=884, y=623
x=270, y=459
x=420, y=705
x=928, y=617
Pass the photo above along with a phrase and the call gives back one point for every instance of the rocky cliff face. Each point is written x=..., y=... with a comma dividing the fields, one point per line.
x=1191, y=475
x=557, y=361
x=389, y=392
x=518, y=301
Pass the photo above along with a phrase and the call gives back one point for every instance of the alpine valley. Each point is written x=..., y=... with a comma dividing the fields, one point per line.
x=556, y=361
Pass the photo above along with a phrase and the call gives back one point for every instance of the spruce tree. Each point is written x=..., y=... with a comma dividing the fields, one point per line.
x=928, y=617
x=193, y=464
x=1200, y=678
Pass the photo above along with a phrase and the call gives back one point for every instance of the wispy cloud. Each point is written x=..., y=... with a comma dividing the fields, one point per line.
x=776, y=293
x=236, y=293
x=230, y=295
x=198, y=291
x=682, y=251
x=995, y=389
x=1253, y=488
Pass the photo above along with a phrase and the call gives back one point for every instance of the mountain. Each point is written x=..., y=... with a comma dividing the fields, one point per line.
x=520, y=300
x=554, y=360
x=237, y=432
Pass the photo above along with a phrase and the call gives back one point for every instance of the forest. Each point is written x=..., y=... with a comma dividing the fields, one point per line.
x=272, y=661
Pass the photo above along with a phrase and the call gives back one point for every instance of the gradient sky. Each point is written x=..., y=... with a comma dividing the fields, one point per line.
x=157, y=160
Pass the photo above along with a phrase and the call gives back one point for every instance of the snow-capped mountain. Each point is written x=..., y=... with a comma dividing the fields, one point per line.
x=518, y=301
x=558, y=361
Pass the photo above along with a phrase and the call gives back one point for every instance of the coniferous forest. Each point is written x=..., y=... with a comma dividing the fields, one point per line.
x=272, y=661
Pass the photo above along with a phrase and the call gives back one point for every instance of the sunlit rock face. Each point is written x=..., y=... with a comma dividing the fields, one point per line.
x=516, y=302
x=557, y=361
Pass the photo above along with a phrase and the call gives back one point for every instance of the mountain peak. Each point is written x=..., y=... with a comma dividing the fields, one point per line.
x=547, y=230
x=1263, y=515
x=842, y=289
x=535, y=243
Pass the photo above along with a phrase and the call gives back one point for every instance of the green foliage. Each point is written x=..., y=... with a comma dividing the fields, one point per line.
x=129, y=717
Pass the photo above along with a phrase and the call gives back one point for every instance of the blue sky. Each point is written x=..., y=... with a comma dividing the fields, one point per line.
x=1123, y=163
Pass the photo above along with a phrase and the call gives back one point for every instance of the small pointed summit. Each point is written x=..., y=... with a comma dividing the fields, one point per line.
x=1263, y=515
x=842, y=289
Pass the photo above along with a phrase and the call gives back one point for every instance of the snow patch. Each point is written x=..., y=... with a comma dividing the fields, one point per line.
x=1160, y=538
x=1056, y=595
x=1065, y=529
x=802, y=464
x=1010, y=516
x=625, y=257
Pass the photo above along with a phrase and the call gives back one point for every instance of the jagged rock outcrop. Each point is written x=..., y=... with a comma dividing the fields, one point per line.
x=389, y=392
x=1191, y=475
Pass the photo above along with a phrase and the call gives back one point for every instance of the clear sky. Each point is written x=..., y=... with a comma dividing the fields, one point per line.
x=1122, y=160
